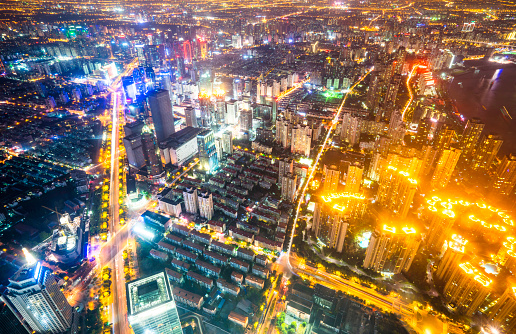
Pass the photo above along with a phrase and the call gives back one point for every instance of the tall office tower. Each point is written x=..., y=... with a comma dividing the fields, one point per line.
x=190, y=117
x=374, y=166
x=505, y=178
x=441, y=223
x=289, y=187
x=285, y=166
x=331, y=179
x=207, y=152
x=246, y=120
x=301, y=139
x=396, y=190
x=470, y=137
x=205, y=201
x=332, y=225
x=151, y=307
x=351, y=128
x=332, y=215
x=444, y=137
x=237, y=88
x=428, y=155
x=395, y=122
x=445, y=167
x=208, y=113
x=218, y=148
x=162, y=114
x=353, y=179
x=467, y=288
x=452, y=257
x=404, y=159
x=231, y=115
x=133, y=128
x=134, y=150
x=34, y=294
x=191, y=200
x=187, y=51
x=9, y=321
x=151, y=154
x=423, y=131
x=392, y=249
x=503, y=312
x=283, y=133
x=227, y=142
x=487, y=151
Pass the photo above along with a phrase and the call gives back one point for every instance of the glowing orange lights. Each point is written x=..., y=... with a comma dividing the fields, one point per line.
x=392, y=229
x=333, y=196
x=469, y=269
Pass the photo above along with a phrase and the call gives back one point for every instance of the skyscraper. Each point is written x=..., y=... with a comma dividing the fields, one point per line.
x=151, y=154
x=288, y=187
x=392, y=249
x=246, y=120
x=151, y=307
x=443, y=138
x=33, y=293
x=396, y=190
x=285, y=166
x=505, y=178
x=445, y=167
x=162, y=114
x=227, y=142
x=301, y=139
x=209, y=160
x=134, y=150
x=205, y=201
x=190, y=117
x=467, y=288
x=423, y=131
x=332, y=215
x=191, y=200
x=487, y=151
x=470, y=137
x=331, y=179
x=9, y=321
x=451, y=258
x=441, y=223
x=353, y=179
x=504, y=311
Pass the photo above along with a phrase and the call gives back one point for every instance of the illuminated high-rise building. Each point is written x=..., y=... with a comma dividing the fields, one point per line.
x=332, y=215
x=285, y=166
x=505, y=178
x=301, y=140
x=467, y=288
x=424, y=130
x=331, y=179
x=288, y=187
x=443, y=138
x=191, y=200
x=353, y=179
x=283, y=132
x=151, y=307
x=503, y=312
x=187, y=51
x=487, y=151
x=441, y=223
x=205, y=202
x=470, y=136
x=162, y=114
x=208, y=158
x=227, y=142
x=445, y=167
x=392, y=249
x=396, y=190
x=506, y=255
x=190, y=117
x=34, y=294
x=151, y=153
x=451, y=258
x=404, y=159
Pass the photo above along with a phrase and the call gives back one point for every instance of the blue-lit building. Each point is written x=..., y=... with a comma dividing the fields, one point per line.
x=207, y=152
